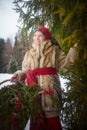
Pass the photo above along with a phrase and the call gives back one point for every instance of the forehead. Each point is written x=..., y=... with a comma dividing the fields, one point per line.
x=39, y=33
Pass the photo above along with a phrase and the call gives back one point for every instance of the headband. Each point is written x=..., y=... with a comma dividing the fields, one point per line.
x=45, y=31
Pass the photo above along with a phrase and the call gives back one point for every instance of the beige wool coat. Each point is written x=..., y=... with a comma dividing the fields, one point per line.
x=48, y=55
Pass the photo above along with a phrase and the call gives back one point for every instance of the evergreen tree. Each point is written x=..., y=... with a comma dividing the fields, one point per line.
x=12, y=66
x=67, y=21
x=20, y=47
x=7, y=52
x=2, y=46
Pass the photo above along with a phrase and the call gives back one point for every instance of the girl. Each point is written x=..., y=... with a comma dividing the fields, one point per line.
x=41, y=65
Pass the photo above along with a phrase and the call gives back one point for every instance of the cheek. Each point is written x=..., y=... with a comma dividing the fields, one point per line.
x=34, y=38
x=43, y=39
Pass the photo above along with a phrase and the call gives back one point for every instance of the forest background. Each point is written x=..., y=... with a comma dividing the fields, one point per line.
x=67, y=21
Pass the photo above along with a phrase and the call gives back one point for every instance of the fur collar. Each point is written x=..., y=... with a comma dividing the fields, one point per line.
x=43, y=48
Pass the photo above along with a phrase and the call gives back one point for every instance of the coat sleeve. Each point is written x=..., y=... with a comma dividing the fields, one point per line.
x=25, y=66
x=25, y=62
x=66, y=60
x=21, y=73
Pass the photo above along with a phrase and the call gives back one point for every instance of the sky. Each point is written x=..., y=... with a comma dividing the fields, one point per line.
x=8, y=19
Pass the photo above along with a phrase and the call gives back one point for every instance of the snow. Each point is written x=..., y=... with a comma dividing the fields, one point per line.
x=3, y=77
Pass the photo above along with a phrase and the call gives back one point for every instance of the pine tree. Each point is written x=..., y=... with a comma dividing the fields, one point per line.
x=7, y=52
x=20, y=47
x=2, y=46
x=67, y=21
x=12, y=66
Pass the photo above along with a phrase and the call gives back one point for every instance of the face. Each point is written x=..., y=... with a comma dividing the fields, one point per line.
x=38, y=37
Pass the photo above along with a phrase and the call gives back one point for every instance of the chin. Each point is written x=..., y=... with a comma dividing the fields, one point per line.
x=38, y=43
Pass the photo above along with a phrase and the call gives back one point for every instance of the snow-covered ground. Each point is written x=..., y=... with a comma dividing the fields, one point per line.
x=5, y=76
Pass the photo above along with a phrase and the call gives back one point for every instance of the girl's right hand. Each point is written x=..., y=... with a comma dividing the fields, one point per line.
x=14, y=78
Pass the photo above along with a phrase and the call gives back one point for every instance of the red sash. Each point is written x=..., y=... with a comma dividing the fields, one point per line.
x=31, y=75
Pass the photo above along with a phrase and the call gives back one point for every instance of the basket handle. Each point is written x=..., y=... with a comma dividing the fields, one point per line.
x=4, y=81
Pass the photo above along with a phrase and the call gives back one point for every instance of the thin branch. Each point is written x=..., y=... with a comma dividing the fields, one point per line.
x=5, y=81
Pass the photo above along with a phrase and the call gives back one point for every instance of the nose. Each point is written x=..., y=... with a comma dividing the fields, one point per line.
x=37, y=37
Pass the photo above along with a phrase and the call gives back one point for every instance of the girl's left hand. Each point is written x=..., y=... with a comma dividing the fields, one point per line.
x=76, y=45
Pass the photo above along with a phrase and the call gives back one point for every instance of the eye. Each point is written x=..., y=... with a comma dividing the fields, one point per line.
x=40, y=35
